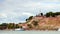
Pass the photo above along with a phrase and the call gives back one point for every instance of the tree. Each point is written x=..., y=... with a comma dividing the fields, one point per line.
x=3, y=26
x=11, y=25
x=16, y=26
x=57, y=13
x=53, y=15
x=50, y=14
x=41, y=14
x=29, y=18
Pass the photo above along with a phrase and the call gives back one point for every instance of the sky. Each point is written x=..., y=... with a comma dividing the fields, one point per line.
x=16, y=11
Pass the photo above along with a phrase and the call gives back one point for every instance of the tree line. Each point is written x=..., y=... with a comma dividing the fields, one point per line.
x=9, y=26
x=48, y=14
x=52, y=14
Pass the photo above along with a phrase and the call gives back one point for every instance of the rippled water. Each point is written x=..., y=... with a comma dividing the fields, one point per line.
x=29, y=32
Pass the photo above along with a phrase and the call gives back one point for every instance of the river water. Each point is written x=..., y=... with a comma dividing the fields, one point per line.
x=29, y=32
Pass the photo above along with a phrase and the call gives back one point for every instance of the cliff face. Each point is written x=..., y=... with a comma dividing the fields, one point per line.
x=50, y=23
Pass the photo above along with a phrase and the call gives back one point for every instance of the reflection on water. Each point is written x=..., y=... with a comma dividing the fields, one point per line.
x=29, y=32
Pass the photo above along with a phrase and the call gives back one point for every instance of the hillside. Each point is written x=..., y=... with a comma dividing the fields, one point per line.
x=48, y=21
x=44, y=23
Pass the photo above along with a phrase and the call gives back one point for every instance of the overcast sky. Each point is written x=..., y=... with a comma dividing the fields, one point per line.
x=18, y=10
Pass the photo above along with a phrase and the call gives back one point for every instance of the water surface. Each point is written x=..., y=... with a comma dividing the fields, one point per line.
x=29, y=32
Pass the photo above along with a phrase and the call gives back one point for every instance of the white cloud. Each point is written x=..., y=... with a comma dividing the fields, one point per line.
x=2, y=15
x=11, y=10
x=28, y=14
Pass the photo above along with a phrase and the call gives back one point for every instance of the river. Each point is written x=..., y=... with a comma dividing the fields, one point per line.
x=29, y=32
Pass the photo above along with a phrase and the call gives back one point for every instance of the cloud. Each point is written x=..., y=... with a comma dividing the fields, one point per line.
x=2, y=15
x=19, y=10
x=28, y=14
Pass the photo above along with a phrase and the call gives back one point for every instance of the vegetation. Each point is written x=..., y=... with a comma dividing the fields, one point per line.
x=41, y=14
x=11, y=25
x=52, y=14
x=29, y=18
x=16, y=26
x=3, y=26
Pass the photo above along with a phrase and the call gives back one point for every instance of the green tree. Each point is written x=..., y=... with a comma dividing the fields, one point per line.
x=29, y=18
x=57, y=13
x=50, y=14
x=41, y=14
x=16, y=26
x=3, y=26
x=11, y=25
